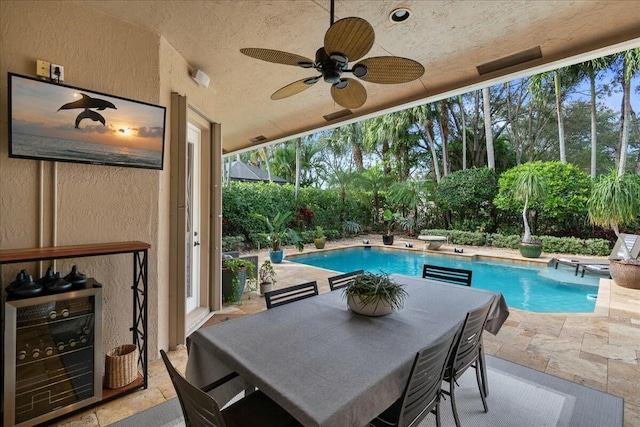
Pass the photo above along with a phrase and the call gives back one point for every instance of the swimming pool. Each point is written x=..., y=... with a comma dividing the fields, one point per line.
x=542, y=290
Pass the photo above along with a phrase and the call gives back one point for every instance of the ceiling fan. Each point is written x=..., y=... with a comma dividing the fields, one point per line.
x=348, y=39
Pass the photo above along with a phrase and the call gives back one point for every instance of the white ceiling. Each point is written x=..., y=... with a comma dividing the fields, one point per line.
x=449, y=38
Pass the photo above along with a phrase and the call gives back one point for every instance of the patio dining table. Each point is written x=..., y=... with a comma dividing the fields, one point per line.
x=326, y=365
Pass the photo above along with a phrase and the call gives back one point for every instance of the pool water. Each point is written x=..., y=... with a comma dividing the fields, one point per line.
x=531, y=288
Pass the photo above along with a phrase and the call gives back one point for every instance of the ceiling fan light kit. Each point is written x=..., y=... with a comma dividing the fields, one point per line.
x=348, y=39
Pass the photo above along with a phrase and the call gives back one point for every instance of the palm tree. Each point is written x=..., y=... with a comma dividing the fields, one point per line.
x=614, y=202
x=592, y=68
x=631, y=65
x=425, y=115
x=570, y=78
x=528, y=186
x=486, y=102
x=464, y=133
x=351, y=135
x=260, y=156
x=373, y=180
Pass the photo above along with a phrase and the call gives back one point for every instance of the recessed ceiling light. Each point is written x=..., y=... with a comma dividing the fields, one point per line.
x=400, y=15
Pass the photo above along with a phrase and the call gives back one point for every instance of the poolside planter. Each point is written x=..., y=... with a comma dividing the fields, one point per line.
x=320, y=242
x=276, y=256
x=387, y=239
x=229, y=294
x=531, y=249
x=625, y=274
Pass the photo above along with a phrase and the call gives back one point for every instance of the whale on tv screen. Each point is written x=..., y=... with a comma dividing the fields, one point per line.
x=49, y=121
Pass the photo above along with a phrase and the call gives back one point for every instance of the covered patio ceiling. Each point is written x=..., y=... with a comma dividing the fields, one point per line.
x=462, y=44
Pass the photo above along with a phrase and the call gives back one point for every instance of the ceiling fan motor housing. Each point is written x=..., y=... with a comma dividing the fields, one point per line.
x=332, y=66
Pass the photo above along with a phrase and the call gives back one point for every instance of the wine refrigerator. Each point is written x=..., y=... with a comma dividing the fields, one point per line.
x=53, y=360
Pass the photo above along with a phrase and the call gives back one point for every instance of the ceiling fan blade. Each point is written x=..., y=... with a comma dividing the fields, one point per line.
x=352, y=37
x=295, y=87
x=388, y=70
x=352, y=96
x=277, y=57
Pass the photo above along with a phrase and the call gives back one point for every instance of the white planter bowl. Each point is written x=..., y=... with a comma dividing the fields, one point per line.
x=375, y=308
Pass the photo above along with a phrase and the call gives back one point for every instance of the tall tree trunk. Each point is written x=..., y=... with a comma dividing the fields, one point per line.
x=357, y=156
x=266, y=162
x=432, y=147
x=464, y=134
x=476, y=143
x=556, y=84
x=486, y=102
x=444, y=126
x=298, y=150
x=626, y=116
x=594, y=134
x=513, y=121
x=636, y=128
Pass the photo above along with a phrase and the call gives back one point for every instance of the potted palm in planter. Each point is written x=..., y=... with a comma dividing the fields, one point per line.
x=278, y=231
x=319, y=238
x=390, y=219
x=615, y=202
x=235, y=274
x=528, y=187
x=374, y=294
x=267, y=276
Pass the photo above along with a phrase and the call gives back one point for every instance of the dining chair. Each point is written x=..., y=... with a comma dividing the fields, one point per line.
x=423, y=391
x=343, y=280
x=201, y=410
x=456, y=276
x=283, y=296
x=467, y=353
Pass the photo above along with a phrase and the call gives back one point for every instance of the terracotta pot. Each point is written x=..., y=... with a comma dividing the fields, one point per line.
x=531, y=249
x=625, y=274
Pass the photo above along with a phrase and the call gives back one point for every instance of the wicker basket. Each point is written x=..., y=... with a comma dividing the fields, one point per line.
x=121, y=366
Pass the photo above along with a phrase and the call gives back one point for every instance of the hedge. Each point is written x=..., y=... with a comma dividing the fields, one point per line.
x=550, y=244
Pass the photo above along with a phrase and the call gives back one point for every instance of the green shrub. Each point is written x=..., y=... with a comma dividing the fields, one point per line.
x=510, y=241
x=468, y=194
x=329, y=211
x=232, y=243
x=564, y=208
x=550, y=244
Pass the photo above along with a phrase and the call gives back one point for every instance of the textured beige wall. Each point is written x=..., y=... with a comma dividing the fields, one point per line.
x=95, y=203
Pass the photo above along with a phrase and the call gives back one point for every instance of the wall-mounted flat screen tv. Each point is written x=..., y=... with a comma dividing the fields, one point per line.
x=49, y=121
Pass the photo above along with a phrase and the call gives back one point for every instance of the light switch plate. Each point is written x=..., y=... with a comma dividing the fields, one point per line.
x=43, y=68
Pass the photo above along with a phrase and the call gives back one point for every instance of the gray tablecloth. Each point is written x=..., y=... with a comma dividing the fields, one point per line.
x=326, y=365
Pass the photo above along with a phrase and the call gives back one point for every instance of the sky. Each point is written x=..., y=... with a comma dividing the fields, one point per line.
x=35, y=110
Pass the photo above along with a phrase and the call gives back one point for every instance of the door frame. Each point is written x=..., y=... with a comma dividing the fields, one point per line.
x=183, y=113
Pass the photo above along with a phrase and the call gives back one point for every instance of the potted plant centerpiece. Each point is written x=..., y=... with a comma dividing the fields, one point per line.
x=374, y=294
x=319, y=238
x=278, y=231
x=615, y=202
x=529, y=186
x=390, y=219
x=235, y=274
x=267, y=276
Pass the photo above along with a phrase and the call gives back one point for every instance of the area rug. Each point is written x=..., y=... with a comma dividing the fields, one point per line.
x=518, y=396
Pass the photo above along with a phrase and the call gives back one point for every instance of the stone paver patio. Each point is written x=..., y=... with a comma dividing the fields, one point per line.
x=599, y=350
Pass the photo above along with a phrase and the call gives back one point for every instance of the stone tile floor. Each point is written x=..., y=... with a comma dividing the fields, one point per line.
x=599, y=350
